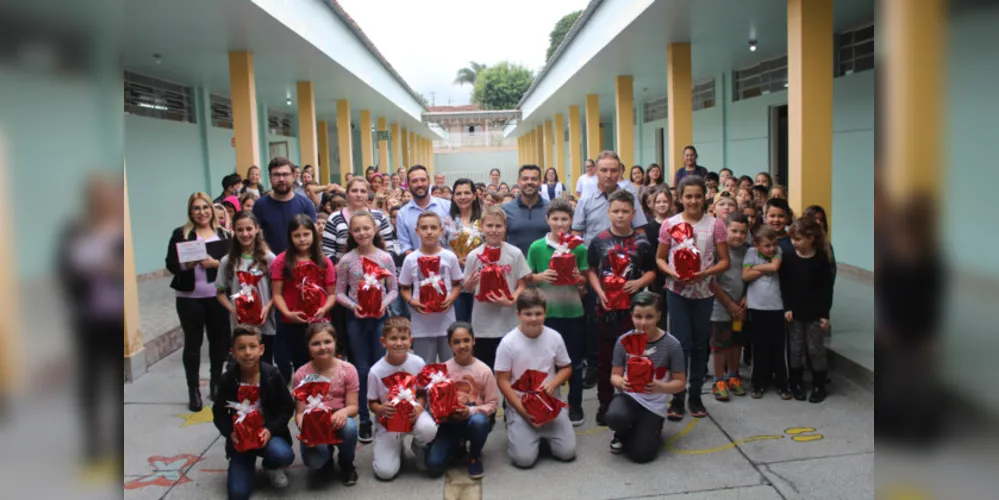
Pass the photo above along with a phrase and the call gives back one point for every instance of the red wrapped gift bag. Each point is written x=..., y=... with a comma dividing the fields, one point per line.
x=248, y=421
x=317, y=419
x=249, y=306
x=614, y=280
x=312, y=292
x=442, y=392
x=542, y=407
x=433, y=289
x=563, y=261
x=686, y=257
x=370, y=294
x=640, y=370
x=493, y=279
x=402, y=395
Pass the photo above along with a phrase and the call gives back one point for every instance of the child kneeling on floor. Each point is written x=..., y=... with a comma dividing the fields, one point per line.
x=397, y=341
x=275, y=405
x=533, y=346
x=636, y=415
x=477, y=392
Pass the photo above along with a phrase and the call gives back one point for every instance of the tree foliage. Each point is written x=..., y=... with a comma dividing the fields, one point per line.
x=559, y=31
x=469, y=73
x=501, y=86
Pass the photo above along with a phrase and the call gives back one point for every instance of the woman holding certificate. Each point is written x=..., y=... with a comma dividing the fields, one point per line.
x=193, y=258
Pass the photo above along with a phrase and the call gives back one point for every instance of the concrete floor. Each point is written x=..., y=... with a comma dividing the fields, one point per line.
x=746, y=449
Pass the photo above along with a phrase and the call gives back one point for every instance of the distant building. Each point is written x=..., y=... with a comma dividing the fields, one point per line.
x=470, y=127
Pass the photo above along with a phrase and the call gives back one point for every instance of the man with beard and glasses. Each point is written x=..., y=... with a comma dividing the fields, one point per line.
x=419, y=187
x=525, y=215
x=275, y=210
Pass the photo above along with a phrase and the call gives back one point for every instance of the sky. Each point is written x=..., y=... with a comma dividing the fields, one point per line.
x=428, y=41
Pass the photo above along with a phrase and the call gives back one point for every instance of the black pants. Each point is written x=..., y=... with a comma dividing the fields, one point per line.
x=485, y=350
x=640, y=430
x=769, y=339
x=573, y=331
x=97, y=343
x=198, y=316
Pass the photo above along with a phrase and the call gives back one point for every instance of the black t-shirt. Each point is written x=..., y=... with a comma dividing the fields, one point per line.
x=637, y=246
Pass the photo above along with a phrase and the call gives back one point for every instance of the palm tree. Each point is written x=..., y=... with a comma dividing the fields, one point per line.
x=469, y=73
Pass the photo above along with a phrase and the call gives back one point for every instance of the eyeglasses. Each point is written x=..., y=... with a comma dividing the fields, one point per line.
x=281, y=175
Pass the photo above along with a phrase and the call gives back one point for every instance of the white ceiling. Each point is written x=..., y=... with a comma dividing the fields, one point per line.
x=718, y=31
x=194, y=38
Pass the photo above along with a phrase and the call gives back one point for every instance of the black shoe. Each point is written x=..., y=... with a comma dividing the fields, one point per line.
x=757, y=393
x=616, y=445
x=213, y=388
x=818, y=387
x=364, y=433
x=194, y=399
x=797, y=384
x=589, y=377
x=576, y=416
x=697, y=409
x=785, y=393
x=349, y=476
x=601, y=416
x=676, y=409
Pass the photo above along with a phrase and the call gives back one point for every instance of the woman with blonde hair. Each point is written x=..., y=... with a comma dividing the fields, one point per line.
x=194, y=281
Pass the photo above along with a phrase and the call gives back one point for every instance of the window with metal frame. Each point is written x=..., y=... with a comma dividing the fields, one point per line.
x=855, y=51
x=155, y=98
x=655, y=110
x=280, y=123
x=221, y=108
x=759, y=79
x=704, y=95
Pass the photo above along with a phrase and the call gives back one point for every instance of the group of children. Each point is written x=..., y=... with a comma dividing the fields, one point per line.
x=769, y=296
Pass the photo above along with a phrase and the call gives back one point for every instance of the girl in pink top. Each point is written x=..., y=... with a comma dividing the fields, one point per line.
x=477, y=391
x=341, y=398
x=690, y=301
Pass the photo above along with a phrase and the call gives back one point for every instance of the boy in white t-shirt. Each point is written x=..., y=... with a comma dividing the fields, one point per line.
x=533, y=346
x=493, y=318
x=389, y=445
x=430, y=328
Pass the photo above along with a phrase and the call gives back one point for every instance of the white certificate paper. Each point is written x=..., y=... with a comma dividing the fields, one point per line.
x=191, y=251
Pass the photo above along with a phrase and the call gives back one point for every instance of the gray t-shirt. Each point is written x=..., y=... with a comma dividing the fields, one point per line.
x=730, y=282
x=763, y=293
x=230, y=285
x=667, y=356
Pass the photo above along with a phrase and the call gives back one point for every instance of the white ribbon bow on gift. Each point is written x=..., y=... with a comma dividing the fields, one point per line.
x=435, y=378
x=561, y=249
x=245, y=290
x=435, y=280
x=370, y=281
x=404, y=395
x=472, y=234
x=315, y=403
x=243, y=408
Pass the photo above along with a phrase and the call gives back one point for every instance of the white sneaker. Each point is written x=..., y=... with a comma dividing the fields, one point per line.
x=278, y=478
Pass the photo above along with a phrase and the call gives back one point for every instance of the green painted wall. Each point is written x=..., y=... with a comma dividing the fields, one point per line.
x=972, y=135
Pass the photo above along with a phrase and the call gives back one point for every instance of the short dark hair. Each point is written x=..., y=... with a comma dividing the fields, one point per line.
x=231, y=180
x=712, y=176
x=758, y=188
x=622, y=195
x=415, y=168
x=765, y=233
x=531, y=297
x=780, y=203
x=278, y=162
x=245, y=331
x=645, y=299
x=528, y=167
x=459, y=325
x=558, y=205
x=737, y=217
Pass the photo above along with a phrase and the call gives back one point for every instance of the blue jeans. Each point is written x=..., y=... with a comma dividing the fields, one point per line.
x=316, y=457
x=463, y=307
x=276, y=454
x=690, y=323
x=365, y=340
x=573, y=331
x=398, y=307
x=450, y=435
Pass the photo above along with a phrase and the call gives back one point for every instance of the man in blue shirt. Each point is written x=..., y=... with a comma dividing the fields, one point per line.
x=525, y=216
x=419, y=187
x=274, y=211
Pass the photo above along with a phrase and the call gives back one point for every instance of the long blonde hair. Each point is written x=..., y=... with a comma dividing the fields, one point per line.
x=190, y=225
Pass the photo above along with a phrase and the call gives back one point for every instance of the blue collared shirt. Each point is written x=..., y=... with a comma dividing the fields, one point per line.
x=591, y=216
x=406, y=222
x=525, y=225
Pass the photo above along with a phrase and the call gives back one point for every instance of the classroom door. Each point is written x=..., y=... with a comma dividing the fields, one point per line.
x=778, y=143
